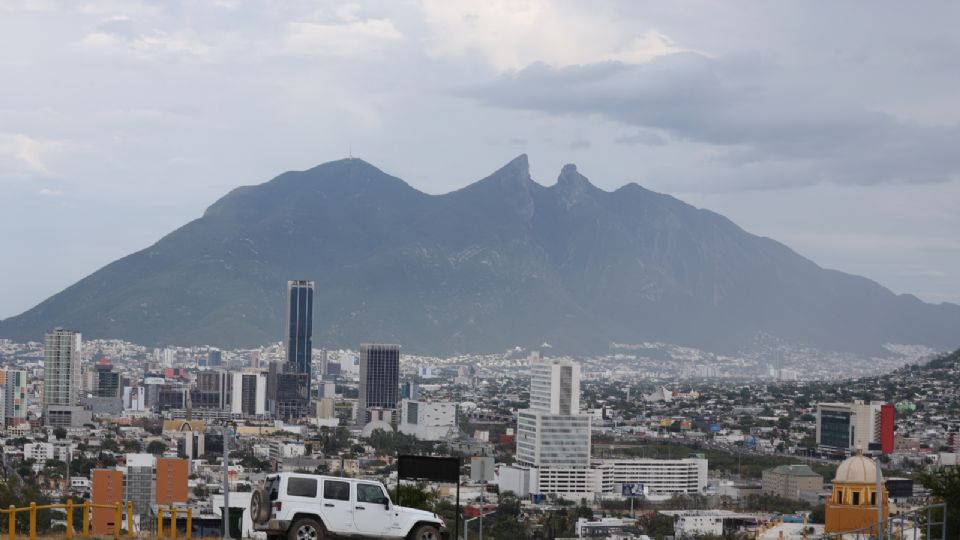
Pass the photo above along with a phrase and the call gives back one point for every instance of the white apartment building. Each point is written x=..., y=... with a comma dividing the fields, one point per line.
x=287, y=449
x=552, y=432
x=61, y=367
x=553, y=437
x=40, y=452
x=428, y=421
x=660, y=476
x=553, y=447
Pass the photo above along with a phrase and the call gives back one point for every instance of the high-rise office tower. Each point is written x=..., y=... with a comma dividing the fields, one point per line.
x=108, y=382
x=299, y=338
x=61, y=367
x=290, y=385
x=379, y=379
x=553, y=438
x=214, y=358
x=552, y=432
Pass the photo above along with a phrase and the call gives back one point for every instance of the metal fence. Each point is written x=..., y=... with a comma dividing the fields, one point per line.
x=120, y=510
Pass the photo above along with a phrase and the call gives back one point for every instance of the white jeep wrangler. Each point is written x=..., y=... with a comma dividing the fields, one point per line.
x=291, y=506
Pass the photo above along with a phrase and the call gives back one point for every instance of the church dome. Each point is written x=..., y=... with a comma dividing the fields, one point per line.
x=857, y=469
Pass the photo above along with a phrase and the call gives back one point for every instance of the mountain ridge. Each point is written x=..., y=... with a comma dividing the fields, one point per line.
x=501, y=262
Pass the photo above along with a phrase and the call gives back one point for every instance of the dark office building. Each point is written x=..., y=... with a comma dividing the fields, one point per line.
x=172, y=397
x=212, y=390
x=214, y=357
x=248, y=394
x=289, y=383
x=287, y=396
x=108, y=381
x=300, y=327
x=379, y=378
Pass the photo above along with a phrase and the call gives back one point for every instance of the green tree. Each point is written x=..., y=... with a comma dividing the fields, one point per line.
x=132, y=445
x=417, y=496
x=156, y=448
x=656, y=525
x=14, y=491
x=944, y=485
x=109, y=444
x=60, y=433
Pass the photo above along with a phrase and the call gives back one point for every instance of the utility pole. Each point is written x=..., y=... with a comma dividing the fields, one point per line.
x=483, y=487
x=228, y=433
x=879, y=496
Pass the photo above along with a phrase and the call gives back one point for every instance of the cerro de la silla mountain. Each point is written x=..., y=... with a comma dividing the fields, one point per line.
x=500, y=263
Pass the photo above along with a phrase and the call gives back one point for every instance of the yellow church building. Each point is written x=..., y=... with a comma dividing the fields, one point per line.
x=853, y=503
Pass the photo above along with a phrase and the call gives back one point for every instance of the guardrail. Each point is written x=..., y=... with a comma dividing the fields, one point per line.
x=86, y=519
x=172, y=511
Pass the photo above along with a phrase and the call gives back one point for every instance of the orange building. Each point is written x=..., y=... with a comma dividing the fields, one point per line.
x=172, y=476
x=107, y=489
x=853, y=503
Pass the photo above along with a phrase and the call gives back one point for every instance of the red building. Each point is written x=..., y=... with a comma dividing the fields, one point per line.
x=107, y=489
x=887, y=415
x=172, y=476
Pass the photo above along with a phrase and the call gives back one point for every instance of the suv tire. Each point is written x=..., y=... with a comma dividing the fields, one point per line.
x=259, y=506
x=306, y=529
x=425, y=532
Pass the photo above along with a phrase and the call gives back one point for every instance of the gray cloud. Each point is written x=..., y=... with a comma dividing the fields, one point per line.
x=745, y=107
x=646, y=137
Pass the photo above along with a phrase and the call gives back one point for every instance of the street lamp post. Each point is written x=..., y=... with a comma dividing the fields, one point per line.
x=879, y=496
x=228, y=433
x=466, y=521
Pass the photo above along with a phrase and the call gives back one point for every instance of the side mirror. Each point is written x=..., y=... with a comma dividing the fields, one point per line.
x=386, y=503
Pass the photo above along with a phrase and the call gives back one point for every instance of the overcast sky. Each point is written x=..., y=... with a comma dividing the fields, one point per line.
x=831, y=127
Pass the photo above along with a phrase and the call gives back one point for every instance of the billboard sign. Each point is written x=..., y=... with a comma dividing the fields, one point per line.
x=438, y=469
x=637, y=489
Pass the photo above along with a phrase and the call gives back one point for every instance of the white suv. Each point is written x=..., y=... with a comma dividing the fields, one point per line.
x=314, y=507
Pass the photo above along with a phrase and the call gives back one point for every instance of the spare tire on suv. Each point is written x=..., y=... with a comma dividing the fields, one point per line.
x=259, y=506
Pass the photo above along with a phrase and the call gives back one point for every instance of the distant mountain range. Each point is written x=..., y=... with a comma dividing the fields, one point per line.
x=500, y=263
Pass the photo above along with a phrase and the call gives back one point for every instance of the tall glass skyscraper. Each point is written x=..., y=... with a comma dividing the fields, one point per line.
x=300, y=325
x=292, y=383
x=379, y=379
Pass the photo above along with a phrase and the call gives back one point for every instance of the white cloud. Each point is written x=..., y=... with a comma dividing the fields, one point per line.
x=347, y=39
x=512, y=34
x=21, y=154
x=28, y=5
x=153, y=45
x=48, y=192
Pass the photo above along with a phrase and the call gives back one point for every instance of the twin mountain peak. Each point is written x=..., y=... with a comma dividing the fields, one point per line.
x=500, y=263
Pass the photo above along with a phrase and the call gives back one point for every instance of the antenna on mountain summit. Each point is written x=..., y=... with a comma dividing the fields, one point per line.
x=350, y=152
